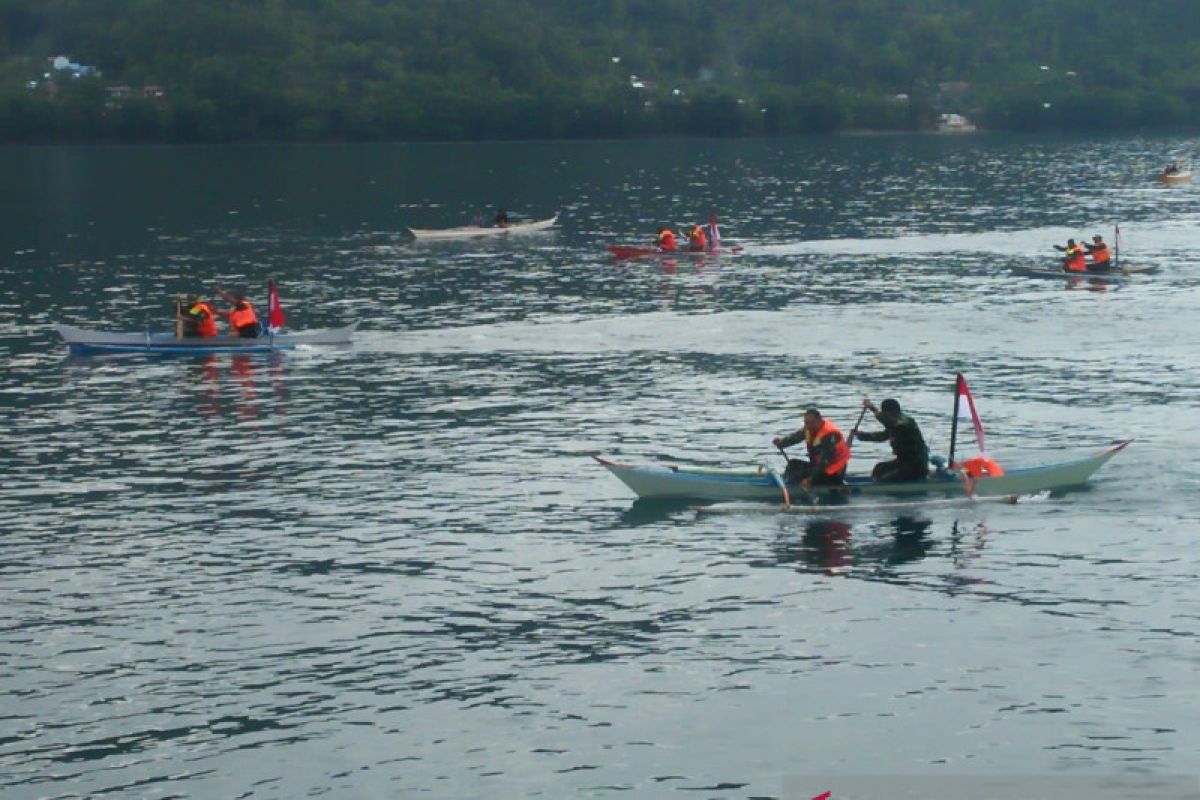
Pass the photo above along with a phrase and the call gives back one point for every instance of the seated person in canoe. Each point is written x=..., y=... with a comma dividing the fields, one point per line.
x=199, y=319
x=1101, y=257
x=1073, y=257
x=243, y=322
x=501, y=220
x=1171, y=169
x=828, y=452
x=697, y=241
x=665, y=240
x=911, y=462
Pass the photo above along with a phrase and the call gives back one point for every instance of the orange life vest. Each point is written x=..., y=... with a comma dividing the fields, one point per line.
x=979, y=467
x=206, y=321
x=841, y=451
x=1075, y=260
x=1100, y=255
x=697, y=239
x=242, y=315
x=666, y=240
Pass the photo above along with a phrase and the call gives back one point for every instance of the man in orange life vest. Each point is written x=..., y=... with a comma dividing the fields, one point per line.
x=199, y=319
x=697, y=241
x=1098, y=250
x=1073, y=259
x=242, y=319
x=828, y=453
x=665, y=240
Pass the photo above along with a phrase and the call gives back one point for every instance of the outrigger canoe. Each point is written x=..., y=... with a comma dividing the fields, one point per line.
x=1184, y=176
x=673, y=482
x=476, y=231
x=626, y=251
x=86, y=341
x=1114, y=274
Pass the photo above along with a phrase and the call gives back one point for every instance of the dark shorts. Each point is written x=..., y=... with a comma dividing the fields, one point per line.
x=798, y=469
x=895, y=471
x=248, y=331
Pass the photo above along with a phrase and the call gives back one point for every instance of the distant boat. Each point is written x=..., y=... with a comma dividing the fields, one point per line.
x=954, y=123
x=1174, y=173
x=476, y=231
x=1112, y=274
x=80, y=340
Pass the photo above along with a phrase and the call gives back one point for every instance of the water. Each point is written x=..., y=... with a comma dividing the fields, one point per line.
x=393, y=570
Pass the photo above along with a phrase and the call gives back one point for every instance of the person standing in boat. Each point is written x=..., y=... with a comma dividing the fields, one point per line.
x=1101, y=257
x=713, y=232
x=242, y=319
x=911, y=462
x=828, y=452
x=665, y=240
x=199, y=318
x=1073, y=257
x=501, y=220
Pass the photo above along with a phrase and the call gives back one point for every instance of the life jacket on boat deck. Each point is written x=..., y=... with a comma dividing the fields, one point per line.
x=1075, y=260
x=841, y=451
x=980, y=467
x=666, y=239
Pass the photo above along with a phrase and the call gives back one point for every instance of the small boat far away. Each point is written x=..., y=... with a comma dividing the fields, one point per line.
x=476, y=231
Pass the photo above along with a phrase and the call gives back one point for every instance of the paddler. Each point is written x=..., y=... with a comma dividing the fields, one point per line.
x=501, y=220
x=665, y=240
x=697, y=241
x=242, y=320
x=911, y=462
x=1073, y=257
x=828, y=453
x=1101, y=257
x=199, y=319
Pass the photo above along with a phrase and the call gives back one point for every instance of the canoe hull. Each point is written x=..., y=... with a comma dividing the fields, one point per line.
x=680, y=483
x=86, y=341
x=621, y=252
x=1179, y=177
x=1100, y=275
x=477, y=231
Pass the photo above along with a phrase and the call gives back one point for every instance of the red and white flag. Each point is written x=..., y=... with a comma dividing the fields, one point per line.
x=275, y=315
x=965, y=409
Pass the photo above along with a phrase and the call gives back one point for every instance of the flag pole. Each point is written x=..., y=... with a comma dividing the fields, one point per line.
x=954, y=419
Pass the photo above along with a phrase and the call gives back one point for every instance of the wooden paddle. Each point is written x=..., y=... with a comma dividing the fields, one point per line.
x=178, y=317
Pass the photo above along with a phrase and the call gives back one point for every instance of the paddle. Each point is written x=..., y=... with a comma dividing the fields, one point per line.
x=778, y=480
x=854, y=430
x=178, y=317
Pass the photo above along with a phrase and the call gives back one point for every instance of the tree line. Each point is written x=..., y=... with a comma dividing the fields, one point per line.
x=248, y=70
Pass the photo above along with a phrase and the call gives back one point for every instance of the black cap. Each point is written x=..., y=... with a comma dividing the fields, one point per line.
x=890, y=405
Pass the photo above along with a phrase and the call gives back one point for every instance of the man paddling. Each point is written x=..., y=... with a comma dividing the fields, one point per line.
x=1073, y=258
x=828, y=453
x=665, y=240
x=1101, y=257
x=911, y=462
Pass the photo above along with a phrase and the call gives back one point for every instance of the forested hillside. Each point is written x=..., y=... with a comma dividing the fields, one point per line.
x=234, y=70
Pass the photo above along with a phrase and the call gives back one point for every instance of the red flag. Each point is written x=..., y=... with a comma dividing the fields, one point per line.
x=275, y=316
x=965, y=409
x=824, y=796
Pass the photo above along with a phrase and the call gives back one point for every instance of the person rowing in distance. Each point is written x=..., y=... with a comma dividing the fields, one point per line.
x=1073, y=257
x=665, y=240
x=1101, y=257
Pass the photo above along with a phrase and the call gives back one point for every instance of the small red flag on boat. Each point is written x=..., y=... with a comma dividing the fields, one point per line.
x=965, y=409
x=824, y=796
x=275, y=315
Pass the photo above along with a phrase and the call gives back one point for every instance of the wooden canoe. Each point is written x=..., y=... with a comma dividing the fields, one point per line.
x=671, y=482
x=88, y=341
x=1116, y=274
x=476, y=231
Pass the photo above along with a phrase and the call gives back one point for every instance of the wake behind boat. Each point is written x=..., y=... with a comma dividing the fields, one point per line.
x=476, y=231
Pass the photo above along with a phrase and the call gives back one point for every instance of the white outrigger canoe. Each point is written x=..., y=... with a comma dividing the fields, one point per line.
x=87, y=341
x=476, y=231
x=673, y=482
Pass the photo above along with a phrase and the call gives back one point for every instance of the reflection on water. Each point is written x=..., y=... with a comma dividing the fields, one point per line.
x=831, y=546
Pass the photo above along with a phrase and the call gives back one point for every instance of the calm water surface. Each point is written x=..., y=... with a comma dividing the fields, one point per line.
x=392, y=570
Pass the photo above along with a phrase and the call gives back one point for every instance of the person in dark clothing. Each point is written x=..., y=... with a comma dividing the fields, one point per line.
x=911, y=462
x=501, y=220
